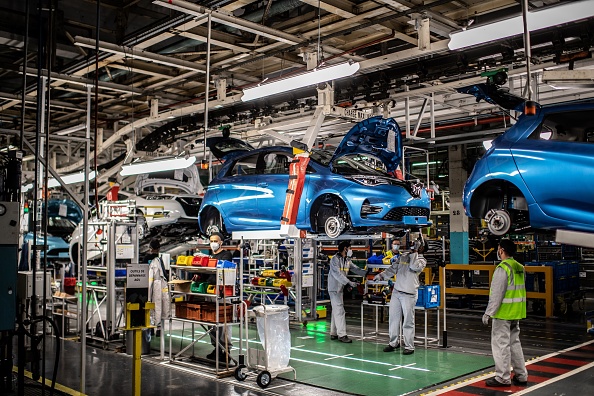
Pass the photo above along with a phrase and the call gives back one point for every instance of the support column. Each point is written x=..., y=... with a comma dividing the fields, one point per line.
x=458, y=220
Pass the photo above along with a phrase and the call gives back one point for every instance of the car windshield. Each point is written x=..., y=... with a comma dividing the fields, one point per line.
x=356, y=164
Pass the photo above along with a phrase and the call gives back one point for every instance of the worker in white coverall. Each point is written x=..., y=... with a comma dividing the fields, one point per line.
x=158, y=287
x=407, y=268
x=507, y=305
x=340, y=265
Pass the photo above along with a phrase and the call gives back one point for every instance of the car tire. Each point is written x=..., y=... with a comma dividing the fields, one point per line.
x=211, y=221
x=330, y=213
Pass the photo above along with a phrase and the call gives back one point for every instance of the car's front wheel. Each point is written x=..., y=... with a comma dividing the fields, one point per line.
x=498, y=221
x=211, y=221
x=330, y=216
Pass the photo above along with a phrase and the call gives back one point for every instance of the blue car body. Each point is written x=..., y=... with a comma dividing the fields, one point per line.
x=63, y=216
x=538, y=174
x=342, y=184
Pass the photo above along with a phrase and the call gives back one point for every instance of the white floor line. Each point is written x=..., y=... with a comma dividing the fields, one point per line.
x=488, y=375
x=347, y=369
x=338, y=357
x=361, y=360
x=405, y=366
x=555, y=379
x=230, y=382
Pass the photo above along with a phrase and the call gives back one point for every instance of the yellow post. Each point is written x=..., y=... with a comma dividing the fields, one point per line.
x=136, y=367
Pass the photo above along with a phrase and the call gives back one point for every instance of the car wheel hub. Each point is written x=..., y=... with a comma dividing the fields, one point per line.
x=334, y=226
x=498, y=221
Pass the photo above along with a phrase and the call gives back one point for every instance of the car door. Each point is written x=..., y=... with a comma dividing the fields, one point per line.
x=273, y=182
x=556, y=163
x=237, y=192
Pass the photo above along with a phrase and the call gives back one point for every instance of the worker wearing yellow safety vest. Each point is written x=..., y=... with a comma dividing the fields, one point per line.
x=507, y=305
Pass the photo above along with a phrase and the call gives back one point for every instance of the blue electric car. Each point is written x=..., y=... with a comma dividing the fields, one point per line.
x=538, y=174
x=348, y=190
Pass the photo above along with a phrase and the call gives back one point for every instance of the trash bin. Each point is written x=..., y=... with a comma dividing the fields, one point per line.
x=273, y=329
x=145, y=349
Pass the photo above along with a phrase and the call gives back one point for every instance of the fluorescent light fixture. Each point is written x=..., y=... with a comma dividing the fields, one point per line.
x=67, y=179
x=311, y=77
x=70, y=179
x=426, y=163
x=138, y=168
x=487, y=144
x=539, y=19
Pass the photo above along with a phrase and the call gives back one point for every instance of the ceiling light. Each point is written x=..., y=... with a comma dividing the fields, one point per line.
x=157, y=166
x=67, y=179
x=70, y=179
x=539, y=19
x=311, y=77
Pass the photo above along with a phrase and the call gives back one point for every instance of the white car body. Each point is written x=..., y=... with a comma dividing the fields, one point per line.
x=155, y=210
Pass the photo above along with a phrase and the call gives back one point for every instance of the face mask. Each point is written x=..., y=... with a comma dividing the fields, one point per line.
x=395, y=247
x=349, y=253
x=498, y=255
x=215, y=246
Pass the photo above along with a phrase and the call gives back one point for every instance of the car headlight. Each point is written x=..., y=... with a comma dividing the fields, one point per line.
x=369, y=181
x=368, y=209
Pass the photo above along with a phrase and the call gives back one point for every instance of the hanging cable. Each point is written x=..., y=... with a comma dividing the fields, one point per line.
x=319, y=48
x=96, y=109
x=25, y=57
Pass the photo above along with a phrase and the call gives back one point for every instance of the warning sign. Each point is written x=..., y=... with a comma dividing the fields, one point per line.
x=137, y=276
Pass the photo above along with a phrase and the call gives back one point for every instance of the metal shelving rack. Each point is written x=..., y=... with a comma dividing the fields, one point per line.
x=192, y=361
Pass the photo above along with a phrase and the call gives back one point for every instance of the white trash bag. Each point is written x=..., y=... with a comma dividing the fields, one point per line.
x=276, y=338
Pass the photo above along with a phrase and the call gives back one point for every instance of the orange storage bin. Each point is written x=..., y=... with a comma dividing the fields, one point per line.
x=193, y=312
x=181, y=309
x=212, y=262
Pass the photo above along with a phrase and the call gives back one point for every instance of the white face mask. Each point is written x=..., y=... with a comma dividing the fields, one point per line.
x=395, y=247
x=215, y=246
x=498, y=255
x=349, y=253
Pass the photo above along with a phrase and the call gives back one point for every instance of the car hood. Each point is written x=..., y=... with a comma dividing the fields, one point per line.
x=186, y=180
x=378, y=137
x=493, y=94
x=225, y=147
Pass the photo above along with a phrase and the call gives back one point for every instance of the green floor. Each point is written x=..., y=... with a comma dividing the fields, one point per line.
x=360, y=367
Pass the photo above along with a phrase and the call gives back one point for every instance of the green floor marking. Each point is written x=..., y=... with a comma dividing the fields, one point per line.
x=360, y=367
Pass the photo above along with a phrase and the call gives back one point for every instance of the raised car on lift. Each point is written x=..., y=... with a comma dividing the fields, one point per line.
x=350, y=190
x=538, y=174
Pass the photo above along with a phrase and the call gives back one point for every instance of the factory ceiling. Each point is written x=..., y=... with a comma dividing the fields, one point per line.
x=136, y=70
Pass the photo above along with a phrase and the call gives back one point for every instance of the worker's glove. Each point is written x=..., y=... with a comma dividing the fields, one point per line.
x=377, y=278
x=353, y=284
x=486, y=319
x=394, y=259
x=416, y=245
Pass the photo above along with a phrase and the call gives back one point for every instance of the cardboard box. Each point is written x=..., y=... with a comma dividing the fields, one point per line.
x=181, y=285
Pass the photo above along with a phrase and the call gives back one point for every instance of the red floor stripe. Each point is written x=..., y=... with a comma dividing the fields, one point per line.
x=458, y=393
x=568, y=362
x=536, y=378
x=547, y=369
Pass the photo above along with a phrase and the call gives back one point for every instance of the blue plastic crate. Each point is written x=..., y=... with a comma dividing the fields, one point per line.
x=429, y=296
x=560, y=285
